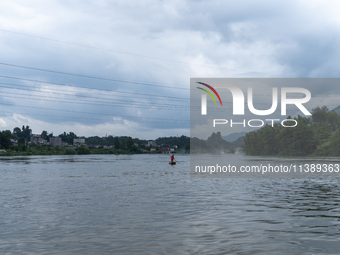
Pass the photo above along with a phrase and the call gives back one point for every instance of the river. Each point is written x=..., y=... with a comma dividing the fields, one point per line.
x=139, y=204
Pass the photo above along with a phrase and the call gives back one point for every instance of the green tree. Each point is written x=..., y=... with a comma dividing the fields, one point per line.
x=117, y=143
x=110, y=140
x=69, y=152
x=68, y=138
x=333, y=120
x=22, y=144
x=83, y=150
x=44, y=134
x=286, y=141
x=17, y=132
x=267, y=140
x=49, y=136
x=21, y=141
x=123, y=143
x=129, y=143
x=133, y=149
x=26, y=132
x=174, y=140
x=319, y=115
x=95, y=140
x=5, y=139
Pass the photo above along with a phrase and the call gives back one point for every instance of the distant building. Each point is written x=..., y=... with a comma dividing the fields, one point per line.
x=92, y=146
x=37, y=139
x=151, y=143
x=79, y=141
x=56, y=141
x=14, y=142
x=165, y=149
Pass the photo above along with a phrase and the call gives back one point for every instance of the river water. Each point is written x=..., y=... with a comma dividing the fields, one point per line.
x=139, y=204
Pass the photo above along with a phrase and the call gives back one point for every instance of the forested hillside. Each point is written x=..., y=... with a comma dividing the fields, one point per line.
x=316, y=135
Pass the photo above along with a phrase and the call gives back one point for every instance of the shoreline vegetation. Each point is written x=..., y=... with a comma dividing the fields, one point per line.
x=21, y=142
x=318, y=135
x=79, y=151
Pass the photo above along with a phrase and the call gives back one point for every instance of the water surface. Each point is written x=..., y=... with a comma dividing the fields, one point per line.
x=139, y=204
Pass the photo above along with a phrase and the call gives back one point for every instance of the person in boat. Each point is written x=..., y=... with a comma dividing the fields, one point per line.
x=172, y=158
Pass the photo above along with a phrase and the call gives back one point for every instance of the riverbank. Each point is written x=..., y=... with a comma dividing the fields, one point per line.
x=77, y=151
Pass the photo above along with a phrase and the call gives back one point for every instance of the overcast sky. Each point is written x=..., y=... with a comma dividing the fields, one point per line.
x=129, y=63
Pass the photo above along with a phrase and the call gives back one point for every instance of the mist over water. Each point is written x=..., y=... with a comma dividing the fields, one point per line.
x=139, y=204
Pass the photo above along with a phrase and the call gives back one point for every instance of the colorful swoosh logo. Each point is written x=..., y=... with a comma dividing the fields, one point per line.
x=213, y=90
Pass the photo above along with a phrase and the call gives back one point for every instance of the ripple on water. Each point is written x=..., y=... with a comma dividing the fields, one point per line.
x=139, y=204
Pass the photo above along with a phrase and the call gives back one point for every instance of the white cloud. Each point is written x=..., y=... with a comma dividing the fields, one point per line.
x=3, y=123
x=119, y=127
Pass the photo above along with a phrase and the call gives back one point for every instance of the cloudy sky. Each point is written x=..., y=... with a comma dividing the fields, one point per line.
x=124, y=67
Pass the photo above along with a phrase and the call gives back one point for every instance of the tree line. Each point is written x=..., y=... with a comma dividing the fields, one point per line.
x=122, y=143
x=317, y=135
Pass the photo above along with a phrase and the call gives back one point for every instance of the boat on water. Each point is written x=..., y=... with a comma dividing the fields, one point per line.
x=172, y=163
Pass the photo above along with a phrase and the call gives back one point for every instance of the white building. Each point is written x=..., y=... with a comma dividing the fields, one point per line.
x=151, y=143
x=56, y=141
x=37, y=139
x=14, y=142
x=79, y=141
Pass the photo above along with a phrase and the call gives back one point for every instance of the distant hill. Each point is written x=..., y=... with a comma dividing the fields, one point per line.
x=214, y=144
x=217, y=144
x=337, y=110
x=234, y=136
x=238, y=143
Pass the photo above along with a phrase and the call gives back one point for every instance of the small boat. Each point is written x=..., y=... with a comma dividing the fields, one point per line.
x=172, y=163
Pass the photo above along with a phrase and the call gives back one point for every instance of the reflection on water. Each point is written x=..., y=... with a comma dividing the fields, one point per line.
x=139, y=204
